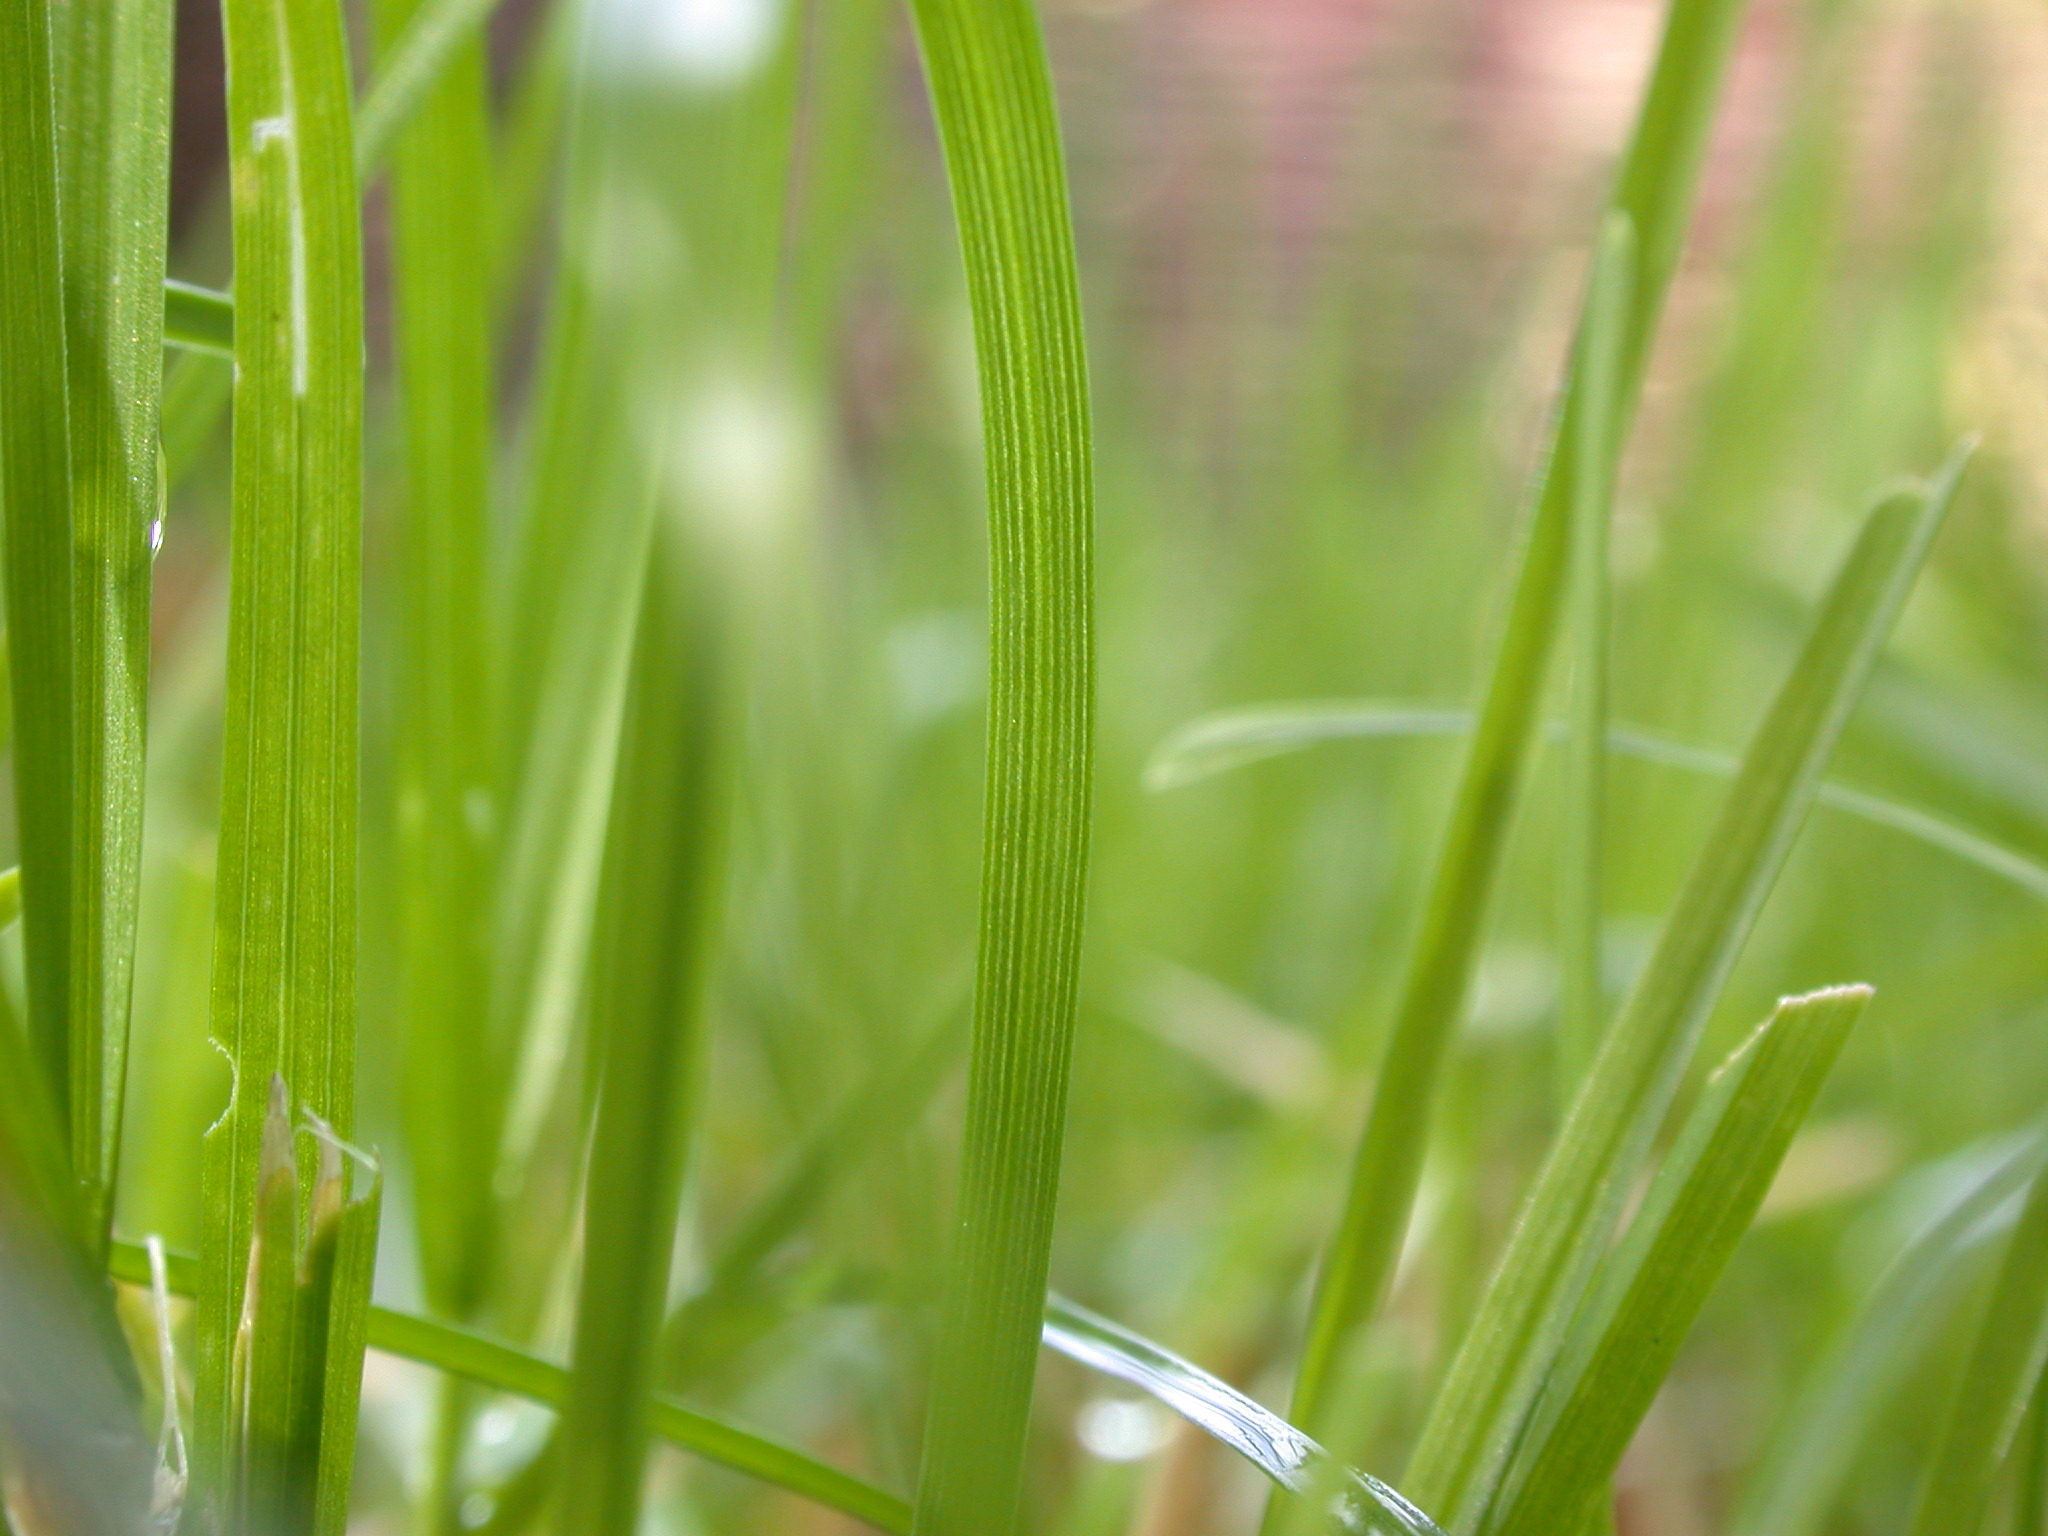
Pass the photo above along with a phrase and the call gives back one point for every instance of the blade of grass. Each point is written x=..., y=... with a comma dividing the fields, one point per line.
x=36, y=482
x=1654, y=192
x=434, y=40
x=1598, y=453
x=1476, y=1415
x=991, y=93
x=197, y=387
x=473, y=1357
x=198, y=319
x=657, y=915
x=344, y=1233
x=1823, y=1425
x=284, y=955
x=1643, y=1304
x=114, y=133
x=1219, y=742
x=1991, y=1398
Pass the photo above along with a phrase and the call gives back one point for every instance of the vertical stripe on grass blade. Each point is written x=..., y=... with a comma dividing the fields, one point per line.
x=992, y=95
x=1655, y=193
x=1599, y=452
x=1990, y=1400
x=657, y=908
x=35, y=482
x=1651, y=1289
x=1477, y=1413
x=114, y=116
x=284, y=944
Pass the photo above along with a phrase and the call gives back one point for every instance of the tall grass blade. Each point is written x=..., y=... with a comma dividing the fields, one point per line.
x=1649, y=1291
x=1991, y=1398
x=1654, y=193
x=992, y=95
x=1598, y=453
x=114, y=134
x=284, y=949
x=657, y=912
x=435, y=40
x=1477, y=1414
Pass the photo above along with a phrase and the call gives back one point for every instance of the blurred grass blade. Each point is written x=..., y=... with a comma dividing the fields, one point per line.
x=1654, y=193
x=992, y=96
x=485, y=1361
x=284, y=956
x=1286, y=1455
x=114, y=127
x=1989, y=1401
x=1598, y=455
x=198, y=319
x=1649, y=1291
x=436, y=40
x=1230, y=738
x=658, y=904
x=36, y=482
x=1575, y=1202
x=197, y=388
x=1816, y=1437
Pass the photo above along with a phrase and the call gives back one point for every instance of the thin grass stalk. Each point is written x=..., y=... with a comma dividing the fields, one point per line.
x=992, y=95
x=1655, y=192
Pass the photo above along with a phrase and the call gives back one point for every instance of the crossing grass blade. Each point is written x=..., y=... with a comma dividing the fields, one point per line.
x=1654, y=192
x=1991, y=1398
x=1649, y=1291
x=198, y=319
x=1808, y=1454
x=435, y=40
x=1476, y=1415
x=113, y=119
x=1598, y=454
x=284, y=949
x=991, y=93
x=36, y=481
x=658, y=907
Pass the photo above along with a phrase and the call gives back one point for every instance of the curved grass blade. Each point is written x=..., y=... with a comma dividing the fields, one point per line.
x=1818, y=1433
x=1476, y=1416
x=1991, y=1398
x=1650, y=1290
x=198, y=319
x=284, y=946
x=1216, y=743
x=1585, y=795
x=657, y=913
x=473, y=1357
x=1286, y=1455
x=992, y=95
x=36, y=482
x=1655, y=193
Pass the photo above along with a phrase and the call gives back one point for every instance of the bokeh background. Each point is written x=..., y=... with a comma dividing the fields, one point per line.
x=1330, y=251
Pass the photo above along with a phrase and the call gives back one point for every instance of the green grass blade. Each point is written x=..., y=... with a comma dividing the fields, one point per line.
x=657, y=911
x=197, y=388
x=1575, y=1201
x=36, y=482
x=198, y=319
x=1655, y=193
x=992, y=96
x=345, y=1315
x=1991, y=1398
x=1598, y=453
x=437, y=37
x=114, y=128
x=284, y=947
x=1817, y=1435
x=1649, y=1292
x=445, y=726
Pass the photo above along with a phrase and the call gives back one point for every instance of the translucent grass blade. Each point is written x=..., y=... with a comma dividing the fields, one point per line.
x=36, y=482
x=1648, y=1293
x=1231, y=738
x=658, y=905
x=1990, y=1399
x=284, y=948
x=1598, y=455
x=1477, y=1414
x=1290, y=1458
x=113, y=116
x=1654, y=192
x=992, y=96
x=432, y=43
x=198, y=319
